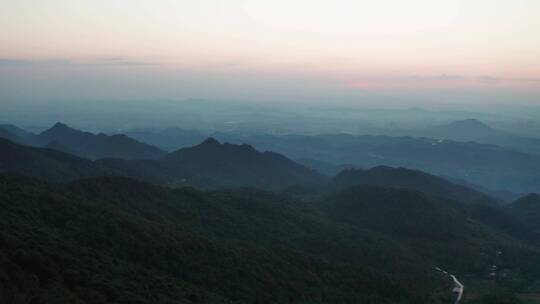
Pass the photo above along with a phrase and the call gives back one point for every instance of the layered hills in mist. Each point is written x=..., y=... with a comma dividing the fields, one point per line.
x=84, y=144
x=209, y=164
x=477, y=131
x=503, y=171
x=466, y=150
x=227, y=223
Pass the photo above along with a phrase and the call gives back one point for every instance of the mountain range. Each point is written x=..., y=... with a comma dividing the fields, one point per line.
x=496, y=169
x=477, y=131
x=489, y=166
x=410, y=179
x=47, y=164
x=83, y=144
x=209, y=164
x=257, y=228
x=467, y=150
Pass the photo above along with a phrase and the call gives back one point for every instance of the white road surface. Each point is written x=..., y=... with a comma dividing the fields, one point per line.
x=458, y=286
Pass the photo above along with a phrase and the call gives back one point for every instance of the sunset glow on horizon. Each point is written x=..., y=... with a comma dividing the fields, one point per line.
x=183, y=49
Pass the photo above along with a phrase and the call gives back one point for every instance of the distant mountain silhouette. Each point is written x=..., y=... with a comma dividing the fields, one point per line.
x=323, y=167
x=95, y=146
x=470, y=124
x=409, y=179
x=233, y=165
x=16, y=134
x=9, y=135
x=16, y=130
x=477, y=131
x=504, y=196
x=47, y=164
x=500, y=168
x=463, y=130
x=59, y=130
x=490, y=166
x=170, y=139
x=208, y=165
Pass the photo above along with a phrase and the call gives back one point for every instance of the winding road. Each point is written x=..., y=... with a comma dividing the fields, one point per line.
x=458, y=286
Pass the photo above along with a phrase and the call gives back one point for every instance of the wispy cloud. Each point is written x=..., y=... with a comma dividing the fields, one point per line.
x=443, y=80
x=535, y=80
x=115, y=61
x=28, y=62
x=104, y=62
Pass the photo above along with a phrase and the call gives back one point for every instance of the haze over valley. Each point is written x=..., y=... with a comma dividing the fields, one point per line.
x=253, y=151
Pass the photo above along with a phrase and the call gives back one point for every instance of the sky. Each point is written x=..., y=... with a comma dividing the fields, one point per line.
x=273, y=50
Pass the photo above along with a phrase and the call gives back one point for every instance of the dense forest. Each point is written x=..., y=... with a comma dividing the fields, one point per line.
x=225, y=223
x=270, y=152
x=119, y=240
